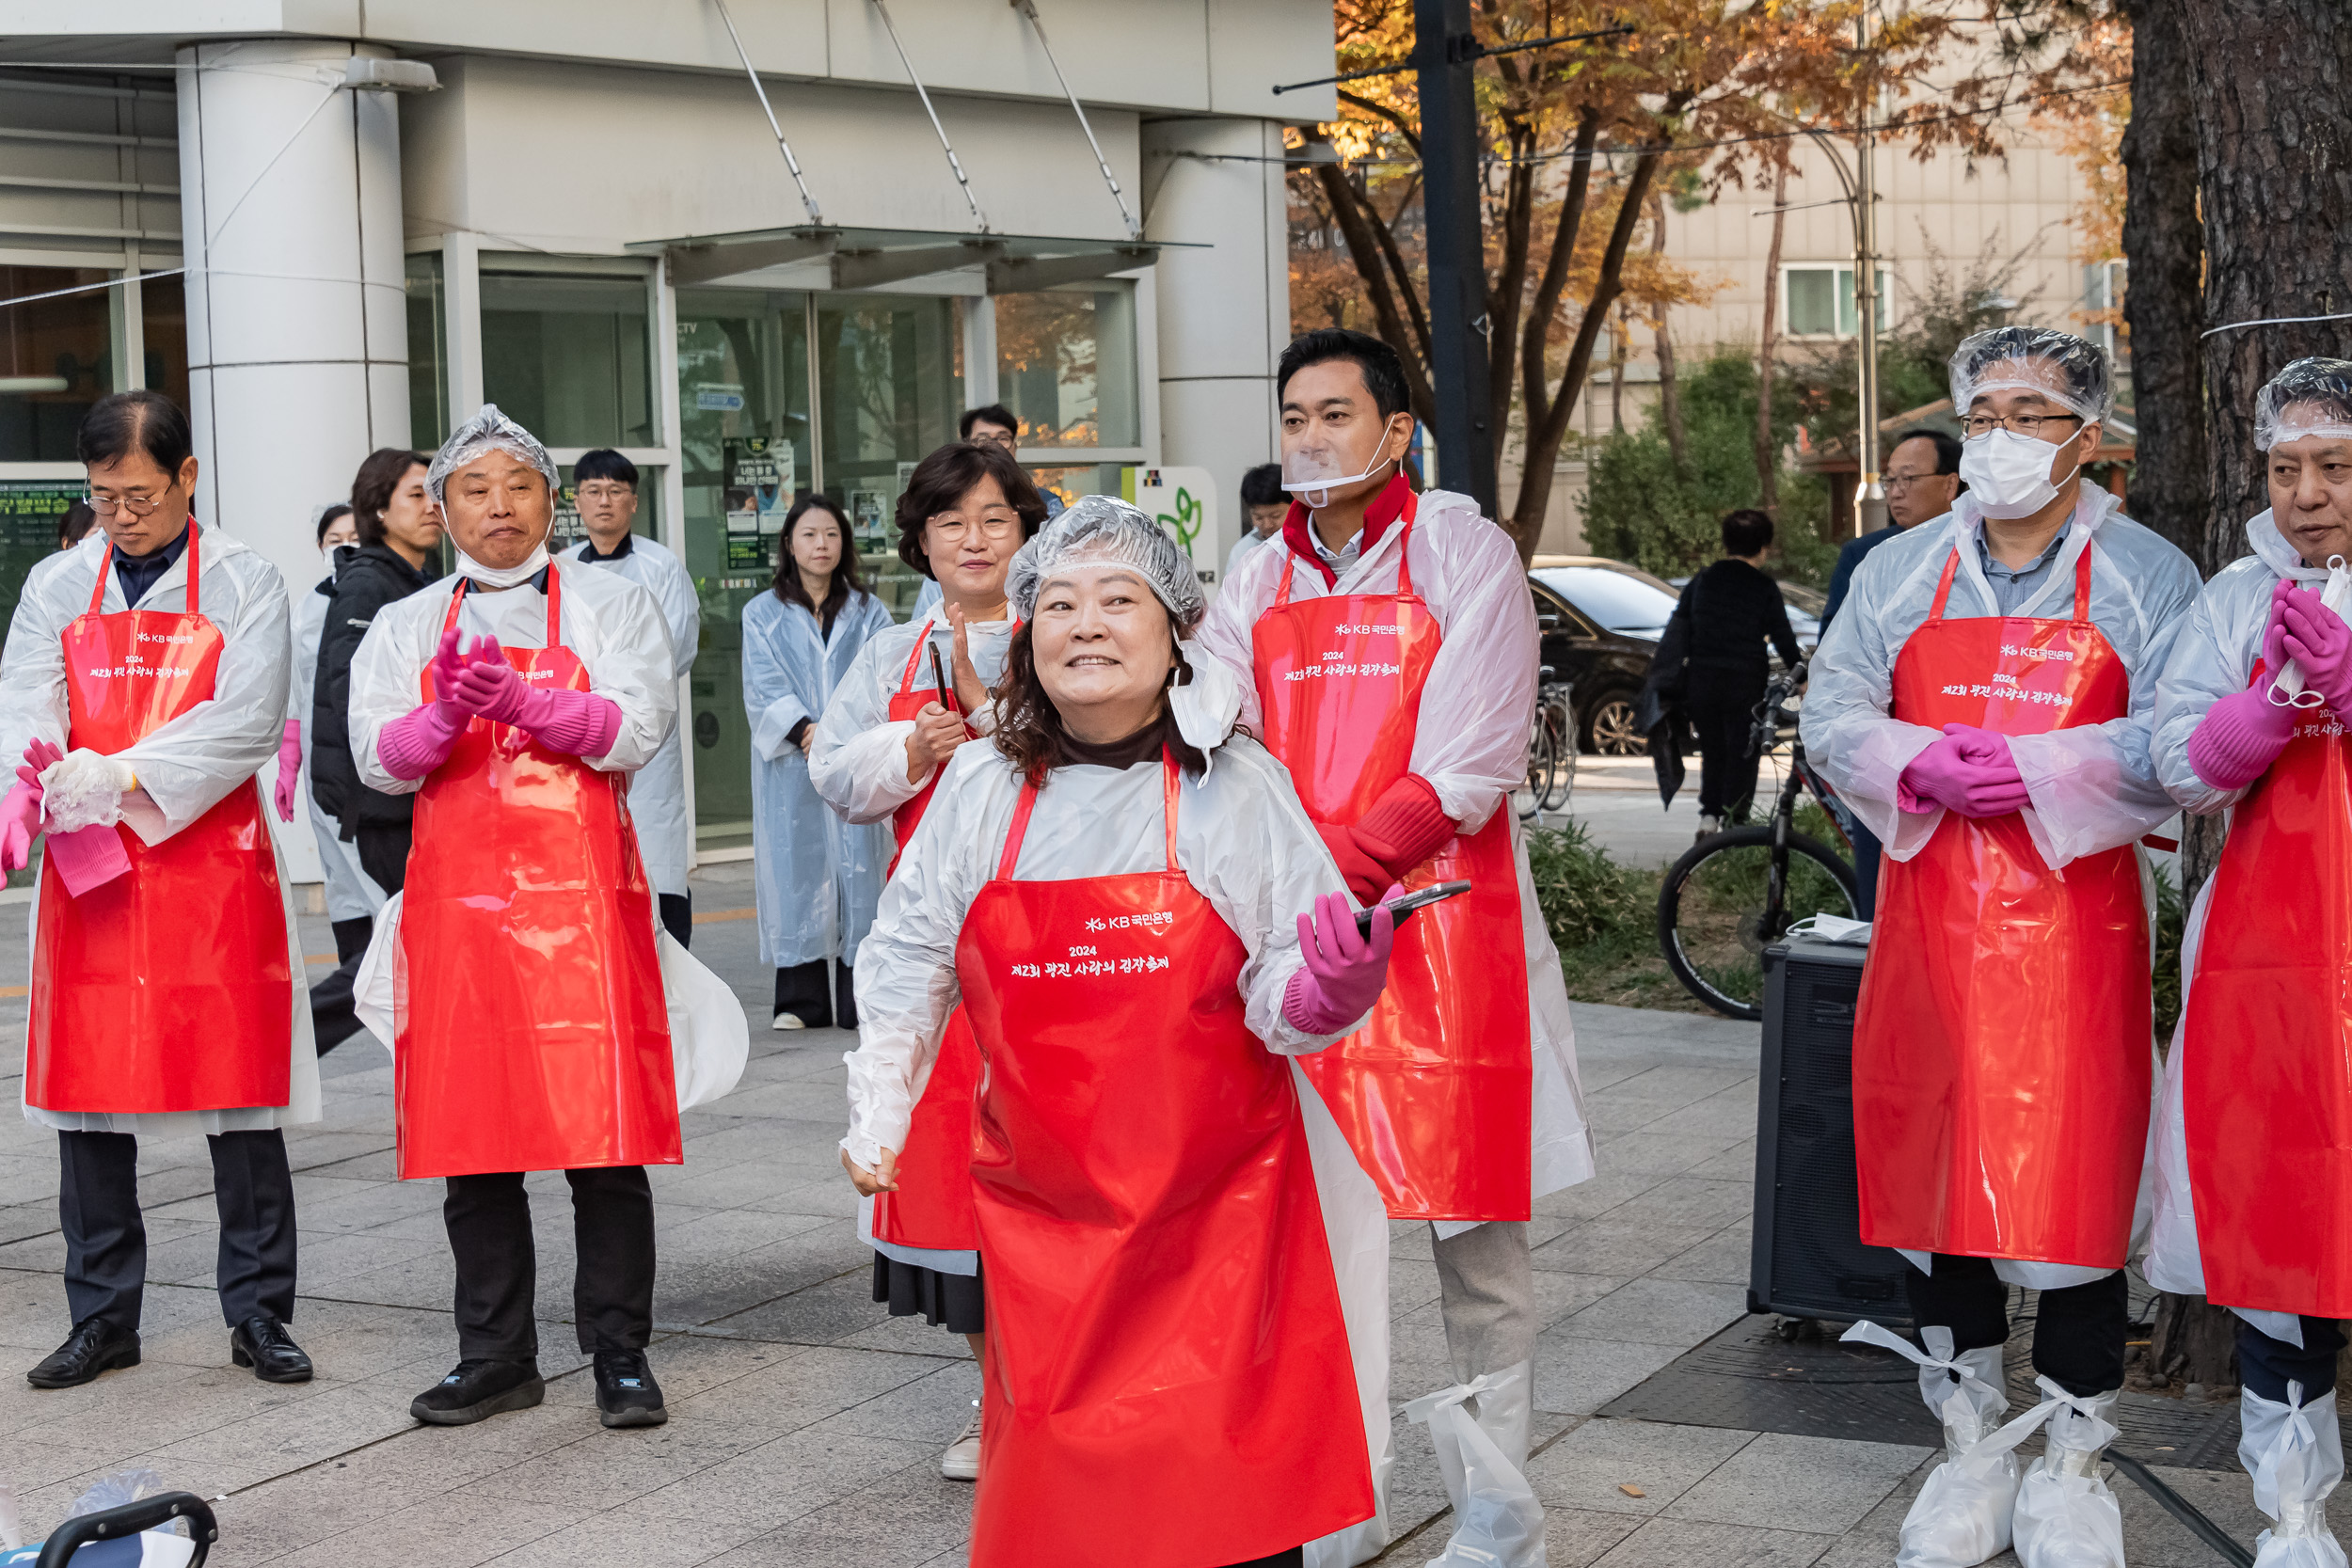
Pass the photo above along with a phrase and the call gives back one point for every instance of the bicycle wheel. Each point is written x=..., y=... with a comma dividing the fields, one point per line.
x=1718, y=910
x=1543, y=763
x=1562, y=724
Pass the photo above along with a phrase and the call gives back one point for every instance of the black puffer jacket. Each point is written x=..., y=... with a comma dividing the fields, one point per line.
x=366, y=580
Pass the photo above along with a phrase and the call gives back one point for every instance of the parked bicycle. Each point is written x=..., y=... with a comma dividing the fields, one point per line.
x=1736, y=893
x=1552, y=749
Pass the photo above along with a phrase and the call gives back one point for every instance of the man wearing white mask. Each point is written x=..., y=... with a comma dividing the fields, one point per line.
x=605, y=484
x=1385, y=644
x=531, y=1027
x=2251, y=1168
x=1983, y=701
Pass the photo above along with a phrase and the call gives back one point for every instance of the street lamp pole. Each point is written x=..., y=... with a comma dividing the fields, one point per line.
x=1869, y=499
x=1444, y=52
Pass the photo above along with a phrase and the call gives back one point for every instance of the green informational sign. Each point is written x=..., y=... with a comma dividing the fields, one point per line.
x=760, y=476
x=29, y=511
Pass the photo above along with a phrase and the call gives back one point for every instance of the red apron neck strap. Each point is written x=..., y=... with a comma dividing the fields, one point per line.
x=1028, y=803
x=1167, y=796
x=1943, y=588
x=1405, y=547
x=1281, y=590
x=906, y=682
x=2082, y=583
x=106, y=566
x=555, y=605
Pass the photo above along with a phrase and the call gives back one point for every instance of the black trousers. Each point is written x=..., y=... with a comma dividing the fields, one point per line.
x=801, y=990
x=489, y=1233
x=351, y=937
x=105, y=1239
x=1721, y=707
x=384, y=853
x=2078, y=1333
x=677, y=916
x=1291, y=1559
x=2266, y=1366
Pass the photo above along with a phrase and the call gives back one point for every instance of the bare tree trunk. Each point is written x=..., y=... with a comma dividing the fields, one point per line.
x=1619, y=332
x=1669, y=398
x=2164, y=240
x=1767, y=450
x=2274, y=141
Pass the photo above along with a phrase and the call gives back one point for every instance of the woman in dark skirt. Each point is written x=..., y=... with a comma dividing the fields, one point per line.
x=877, y=754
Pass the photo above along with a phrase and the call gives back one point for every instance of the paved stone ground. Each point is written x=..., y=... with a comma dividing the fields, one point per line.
x=806, y=1425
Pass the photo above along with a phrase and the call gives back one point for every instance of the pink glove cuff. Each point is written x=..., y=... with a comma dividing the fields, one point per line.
x=1404, y=827
x=579, y=723
x=2239, y=738
x=418, y=741
x=1307, y=1009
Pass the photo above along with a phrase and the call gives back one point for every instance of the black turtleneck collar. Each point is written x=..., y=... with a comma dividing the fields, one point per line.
x=588, y=550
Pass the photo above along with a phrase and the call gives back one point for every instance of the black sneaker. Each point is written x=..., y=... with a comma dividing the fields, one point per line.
x=95, y=1346
x=479, y=1390
x=627, y=1395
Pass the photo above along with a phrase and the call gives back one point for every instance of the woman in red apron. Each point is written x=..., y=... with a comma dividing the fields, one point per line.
x=532, y=1033
x=1389, y=649
x=1114, y=887
x=879, y=751
x=2253, y=1183
x=1981, y=700
x=146, y=674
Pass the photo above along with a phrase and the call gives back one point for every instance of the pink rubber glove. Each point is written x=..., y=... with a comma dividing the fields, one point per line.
x=2320, y=643
x=578, y=722
x=20, y=823
x=2240, y=736
x=1345, y=972
x=1970, y=771
x=289, y=769
x=449, y=666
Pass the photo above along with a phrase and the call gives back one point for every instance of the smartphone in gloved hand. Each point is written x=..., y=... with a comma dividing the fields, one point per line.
x=1402, y=909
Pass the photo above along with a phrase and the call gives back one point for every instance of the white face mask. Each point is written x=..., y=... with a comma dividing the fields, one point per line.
x=1311, y=472
x=502, y=576
x=2008, y=474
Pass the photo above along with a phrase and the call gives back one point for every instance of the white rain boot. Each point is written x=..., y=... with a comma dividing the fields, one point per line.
x=1506, y=1409
x=1962, y=1515
x=2296, y=1455
x=2066, y=1516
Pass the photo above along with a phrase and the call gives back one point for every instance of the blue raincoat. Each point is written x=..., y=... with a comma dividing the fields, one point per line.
x=817, y=877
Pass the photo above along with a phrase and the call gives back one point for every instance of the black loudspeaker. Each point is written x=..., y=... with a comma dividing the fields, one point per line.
x=1807, y=1260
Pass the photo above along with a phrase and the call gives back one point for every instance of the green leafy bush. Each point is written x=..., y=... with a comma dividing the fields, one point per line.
x=1586, y=896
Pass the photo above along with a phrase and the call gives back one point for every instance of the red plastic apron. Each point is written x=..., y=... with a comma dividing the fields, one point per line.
x=534, y=1033
x=2001, y=1041
x=167, y=989
x=932, y=1207
x=2267, y=1091
x=1435, y=1093
x=1168, y=1374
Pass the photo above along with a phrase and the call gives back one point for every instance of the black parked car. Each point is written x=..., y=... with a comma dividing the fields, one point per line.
x=1600, y=621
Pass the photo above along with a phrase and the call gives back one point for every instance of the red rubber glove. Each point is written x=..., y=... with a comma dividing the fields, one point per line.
x=289, y=769
x=1345, y=972
x=1969, y=770
x=20, y=824
x=1404, y=828
x=1364, y=876
x=2321, y=645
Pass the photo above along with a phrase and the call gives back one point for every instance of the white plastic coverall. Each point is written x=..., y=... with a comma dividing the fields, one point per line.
x=611, y=625
x=1472, y=747
x=2092, y=787
x=184, y=767
x=351, y=892
x=816, y=876
x=657, y=796
x=1244, y=842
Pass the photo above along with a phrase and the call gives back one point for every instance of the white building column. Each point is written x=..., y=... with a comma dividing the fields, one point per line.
x=297, y=322
x=1224, y=312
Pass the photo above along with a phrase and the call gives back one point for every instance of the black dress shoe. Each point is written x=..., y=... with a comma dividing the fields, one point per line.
x=95, y=1346
x=263, y=1344
x=479, y=1390
x=627, y=1395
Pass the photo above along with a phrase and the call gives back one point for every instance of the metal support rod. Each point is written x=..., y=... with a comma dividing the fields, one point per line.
x=791, y=163
x=1444, y=55
x=962, y=180
x=1028, y=8
x=2191, y=1518
x=1869, y=499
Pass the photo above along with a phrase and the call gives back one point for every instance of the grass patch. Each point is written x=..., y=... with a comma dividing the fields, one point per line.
x=1603, y=917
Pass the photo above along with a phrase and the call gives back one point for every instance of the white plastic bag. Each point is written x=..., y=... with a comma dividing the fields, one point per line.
x=1497, y=1521
x=1962, y=1515
x=2066, y=1516
x=2295, y=1452
x=710, y=1039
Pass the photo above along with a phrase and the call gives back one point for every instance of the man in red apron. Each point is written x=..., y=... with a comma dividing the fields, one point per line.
x=2253, y=1182
x=1386, y=652
x=515, y=699
x=1983, y=701
x=154, y=655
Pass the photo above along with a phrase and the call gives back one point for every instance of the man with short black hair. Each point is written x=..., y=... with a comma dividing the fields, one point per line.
x=991, y=423
x=605, y=484
x=1264, y=505
x=1922, y=481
